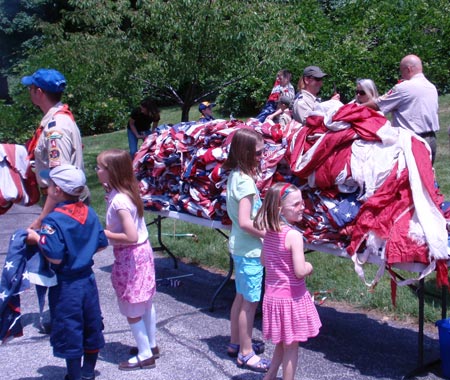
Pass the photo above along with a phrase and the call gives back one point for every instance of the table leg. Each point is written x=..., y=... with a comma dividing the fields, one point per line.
x=162, y=247
x=421, y=367
x=222, y=284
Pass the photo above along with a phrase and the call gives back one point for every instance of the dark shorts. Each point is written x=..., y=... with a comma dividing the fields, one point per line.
x=430, y=138
x=76, y=317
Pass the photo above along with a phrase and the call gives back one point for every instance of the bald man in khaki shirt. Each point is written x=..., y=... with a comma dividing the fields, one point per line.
x=413, y=102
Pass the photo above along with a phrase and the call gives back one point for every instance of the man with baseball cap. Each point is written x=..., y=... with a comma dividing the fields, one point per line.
x=309, y=86
x=57, y=140
x=47, y=79
x=205, y=108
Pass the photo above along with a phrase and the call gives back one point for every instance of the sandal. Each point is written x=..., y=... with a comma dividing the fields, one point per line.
x=262, y=365
x=233, y=349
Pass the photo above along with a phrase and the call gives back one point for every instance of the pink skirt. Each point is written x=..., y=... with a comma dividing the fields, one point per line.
x=133, y=273
x=290, y=320
x=133, y=310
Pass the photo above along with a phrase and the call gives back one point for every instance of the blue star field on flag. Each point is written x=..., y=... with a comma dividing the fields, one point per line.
x=14, y=281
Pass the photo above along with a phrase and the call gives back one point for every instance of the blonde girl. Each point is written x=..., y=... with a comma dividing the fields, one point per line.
x=289, y=314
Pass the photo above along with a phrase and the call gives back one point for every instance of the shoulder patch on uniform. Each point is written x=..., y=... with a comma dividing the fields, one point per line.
x=54, y=154
x=51, y=124
x=46, y=229
x=387, y=94
x=54, y=134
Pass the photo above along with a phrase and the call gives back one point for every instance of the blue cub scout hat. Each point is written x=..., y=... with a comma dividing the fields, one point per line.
x=48, y=79
x=68, y=177
x=204, y=105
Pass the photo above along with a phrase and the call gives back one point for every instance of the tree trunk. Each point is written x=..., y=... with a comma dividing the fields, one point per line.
x=188, y=100
x=185, y=112
x=4, y=89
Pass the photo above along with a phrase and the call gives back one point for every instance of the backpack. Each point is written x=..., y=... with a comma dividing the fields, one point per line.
x=18, y=182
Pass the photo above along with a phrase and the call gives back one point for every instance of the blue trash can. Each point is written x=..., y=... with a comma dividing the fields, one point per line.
x=444, y=345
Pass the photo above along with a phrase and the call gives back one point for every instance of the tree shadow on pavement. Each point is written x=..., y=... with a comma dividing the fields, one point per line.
x=248, y=376
x=219, y=344
x=350, y=340
x=194, y=285
x=115, y=352
x=374, y=348
x=49, y=372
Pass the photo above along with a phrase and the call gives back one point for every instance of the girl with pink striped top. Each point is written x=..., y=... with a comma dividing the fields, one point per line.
x=289, y=313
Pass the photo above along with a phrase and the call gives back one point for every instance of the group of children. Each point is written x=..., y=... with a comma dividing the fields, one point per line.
x=69, y=236
x=262, y=236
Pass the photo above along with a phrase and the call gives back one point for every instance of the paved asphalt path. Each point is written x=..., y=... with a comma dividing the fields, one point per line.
x=192, y=339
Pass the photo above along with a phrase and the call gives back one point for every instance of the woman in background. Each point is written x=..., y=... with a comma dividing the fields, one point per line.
x=365, y=90
x=143, y=121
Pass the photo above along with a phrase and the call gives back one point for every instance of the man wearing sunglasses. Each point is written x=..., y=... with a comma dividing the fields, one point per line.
x=413, y=102
x=307, y=98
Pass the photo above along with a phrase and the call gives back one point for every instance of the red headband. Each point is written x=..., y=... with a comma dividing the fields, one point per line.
x=283, y=189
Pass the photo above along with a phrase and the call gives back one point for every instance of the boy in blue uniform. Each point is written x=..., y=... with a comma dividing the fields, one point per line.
x=69, y=237
x=205, y=108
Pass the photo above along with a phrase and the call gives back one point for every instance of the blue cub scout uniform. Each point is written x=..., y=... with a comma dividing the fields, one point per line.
x=72, y=233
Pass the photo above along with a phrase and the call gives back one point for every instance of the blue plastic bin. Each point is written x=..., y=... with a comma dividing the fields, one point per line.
x=444, y=345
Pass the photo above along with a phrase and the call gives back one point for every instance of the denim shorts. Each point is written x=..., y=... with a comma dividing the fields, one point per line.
x=248, y=277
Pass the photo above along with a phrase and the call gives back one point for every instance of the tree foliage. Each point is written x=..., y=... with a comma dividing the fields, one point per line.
x=206, y=45
x=19, y=32
x=181, y=52
x=372, y=37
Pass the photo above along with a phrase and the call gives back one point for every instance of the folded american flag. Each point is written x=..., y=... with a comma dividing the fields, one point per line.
x=13, y=282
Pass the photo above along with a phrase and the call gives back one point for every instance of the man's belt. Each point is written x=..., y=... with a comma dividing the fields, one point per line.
x=427, y=134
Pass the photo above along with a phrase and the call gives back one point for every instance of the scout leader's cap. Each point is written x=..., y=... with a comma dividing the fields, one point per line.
x=69, y=178
x=48, y=79
x=314, y=71
x=204, y=105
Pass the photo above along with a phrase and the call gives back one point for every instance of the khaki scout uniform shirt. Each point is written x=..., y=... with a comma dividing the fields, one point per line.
x=60, y=143
x=303, y=105
x=413, y=104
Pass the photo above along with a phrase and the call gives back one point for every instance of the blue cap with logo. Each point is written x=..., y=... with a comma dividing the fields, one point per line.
x=48, y=79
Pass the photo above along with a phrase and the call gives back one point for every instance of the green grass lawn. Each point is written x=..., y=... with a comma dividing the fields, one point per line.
x=209, y=249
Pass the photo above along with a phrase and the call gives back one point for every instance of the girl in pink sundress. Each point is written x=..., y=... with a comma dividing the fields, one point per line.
x=133, y=272
x=289, y=313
